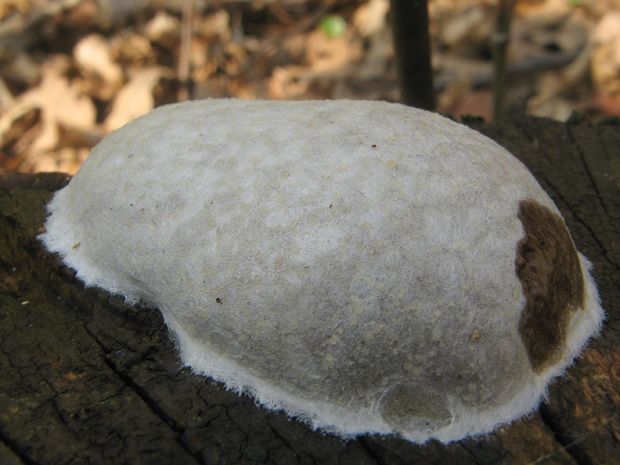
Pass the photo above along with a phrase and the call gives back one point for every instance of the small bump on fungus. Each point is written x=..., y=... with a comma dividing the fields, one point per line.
x=436, y=297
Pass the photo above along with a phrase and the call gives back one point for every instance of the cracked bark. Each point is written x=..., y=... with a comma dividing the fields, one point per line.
x=87, y=378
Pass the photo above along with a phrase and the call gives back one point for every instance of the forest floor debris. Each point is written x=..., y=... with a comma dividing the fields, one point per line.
x=74, y=70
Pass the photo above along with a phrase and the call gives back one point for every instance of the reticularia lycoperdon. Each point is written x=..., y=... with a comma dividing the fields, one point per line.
x=366, y=267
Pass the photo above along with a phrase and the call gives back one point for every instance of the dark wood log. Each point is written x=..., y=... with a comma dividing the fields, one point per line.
x=85, y=378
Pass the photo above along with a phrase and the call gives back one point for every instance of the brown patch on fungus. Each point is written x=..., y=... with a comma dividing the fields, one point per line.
x=548, y=267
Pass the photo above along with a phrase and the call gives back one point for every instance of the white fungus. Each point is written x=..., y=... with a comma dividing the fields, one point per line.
x=367, y=267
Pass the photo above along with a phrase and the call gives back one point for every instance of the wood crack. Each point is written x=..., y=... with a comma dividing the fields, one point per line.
x=151, y=403
x=564, y=438
x=14, y=447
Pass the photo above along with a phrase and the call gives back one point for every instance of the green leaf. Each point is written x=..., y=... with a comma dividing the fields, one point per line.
x=333, y=26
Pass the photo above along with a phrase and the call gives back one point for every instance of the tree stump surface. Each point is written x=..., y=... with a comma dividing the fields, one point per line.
x=85, y=378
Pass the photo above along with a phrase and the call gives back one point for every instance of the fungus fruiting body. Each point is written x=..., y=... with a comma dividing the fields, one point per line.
x=367, y=267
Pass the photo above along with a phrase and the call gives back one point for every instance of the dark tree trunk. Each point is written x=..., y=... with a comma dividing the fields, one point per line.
x=500, y=40
x=85, y=378
x=412, y=47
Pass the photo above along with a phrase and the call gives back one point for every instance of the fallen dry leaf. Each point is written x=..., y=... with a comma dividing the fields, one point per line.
x=468, y=26
x=93, y=55
x=370, y=18
x=60, y=104
x=6, y=99
x=136, y=97
x=215, y=27
x=163, y=28
x=9, y=6
x=283, y=85
x=605, y=63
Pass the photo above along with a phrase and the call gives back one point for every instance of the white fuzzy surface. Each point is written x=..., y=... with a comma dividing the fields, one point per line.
x=321, y=255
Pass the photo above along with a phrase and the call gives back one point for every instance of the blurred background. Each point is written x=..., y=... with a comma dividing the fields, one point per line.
x=71, y=71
